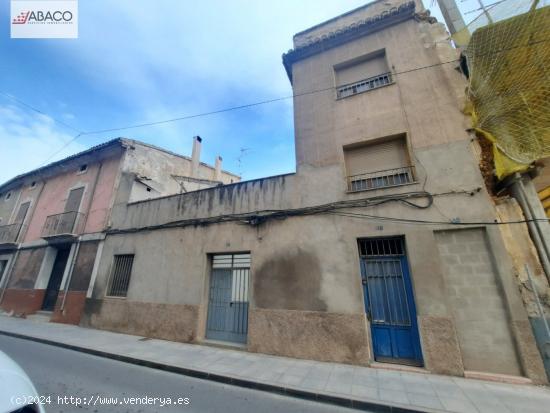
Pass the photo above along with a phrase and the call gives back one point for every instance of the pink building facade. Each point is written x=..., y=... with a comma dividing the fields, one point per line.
x=53, y=219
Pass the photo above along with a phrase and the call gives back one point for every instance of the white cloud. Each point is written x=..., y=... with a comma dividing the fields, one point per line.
x=28, y=139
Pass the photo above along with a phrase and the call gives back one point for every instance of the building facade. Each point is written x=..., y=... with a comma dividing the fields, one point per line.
x=363, y=255
x=381, y=247
x=53, y=219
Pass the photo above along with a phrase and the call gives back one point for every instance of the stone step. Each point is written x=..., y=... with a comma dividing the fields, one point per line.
x=40, y=316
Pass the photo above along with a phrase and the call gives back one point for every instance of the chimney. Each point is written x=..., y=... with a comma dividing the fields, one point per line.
x=196, y=156
x=218, y=173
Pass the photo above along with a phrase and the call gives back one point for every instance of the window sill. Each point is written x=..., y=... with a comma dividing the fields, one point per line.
x=112, y=297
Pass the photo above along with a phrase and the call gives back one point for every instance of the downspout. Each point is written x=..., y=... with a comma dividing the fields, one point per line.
x=536, y=221
x=69, y=278
x=92, y=196
x=533, y=225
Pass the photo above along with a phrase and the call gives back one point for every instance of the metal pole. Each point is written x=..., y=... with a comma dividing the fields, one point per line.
x=70, y=276
x=537, y=300
x=536, y=236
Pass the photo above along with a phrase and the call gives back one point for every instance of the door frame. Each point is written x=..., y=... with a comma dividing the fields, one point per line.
x=411, y=300
x=204, y=311
x=63, y=276
x=5, y=275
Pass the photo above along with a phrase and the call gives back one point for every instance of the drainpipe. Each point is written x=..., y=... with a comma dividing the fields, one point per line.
x=92, y=196
x=8, y=275
x=68, y=283
x=518, y=190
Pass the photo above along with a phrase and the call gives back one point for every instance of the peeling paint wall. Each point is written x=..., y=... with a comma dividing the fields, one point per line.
x=160, y=170
x=99, y=176
x=522, y=251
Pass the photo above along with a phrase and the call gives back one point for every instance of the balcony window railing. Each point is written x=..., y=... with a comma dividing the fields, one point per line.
x=364, y=85
x=9, y=233
x=61, y=224
x=381, y=179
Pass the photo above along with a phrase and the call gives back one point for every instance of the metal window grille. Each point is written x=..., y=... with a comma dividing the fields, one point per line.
x=120, y=275
x=381, y=179
x=231, y=261
x=365, y=85
x=381, y=247
x=383, y=273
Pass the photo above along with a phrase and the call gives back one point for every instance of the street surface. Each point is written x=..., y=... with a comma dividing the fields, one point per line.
x=62, y=373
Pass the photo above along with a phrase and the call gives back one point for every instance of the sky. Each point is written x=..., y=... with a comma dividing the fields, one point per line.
x=138, y=61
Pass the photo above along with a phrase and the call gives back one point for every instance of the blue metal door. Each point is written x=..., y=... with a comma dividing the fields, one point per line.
x=389, y=301
x=228, y=298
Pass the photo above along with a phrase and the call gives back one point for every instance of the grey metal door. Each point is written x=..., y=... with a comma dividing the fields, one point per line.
x=228, y=298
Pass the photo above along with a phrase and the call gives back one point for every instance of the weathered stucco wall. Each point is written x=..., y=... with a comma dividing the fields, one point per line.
x=69, y=309
x=7, y=205
x=26, y=268
x=160, y=168
x=306, y=296
x=56, y=191
x=20, y=295
x=369, y=10
x=422, y=103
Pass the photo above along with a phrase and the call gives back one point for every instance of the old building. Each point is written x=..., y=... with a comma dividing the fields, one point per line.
x=52, y=220
x=381, y=247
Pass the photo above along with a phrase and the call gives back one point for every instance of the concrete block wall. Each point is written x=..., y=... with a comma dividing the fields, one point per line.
x=478, y=308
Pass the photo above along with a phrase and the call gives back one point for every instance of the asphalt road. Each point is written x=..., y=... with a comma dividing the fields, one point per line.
x=59, y=372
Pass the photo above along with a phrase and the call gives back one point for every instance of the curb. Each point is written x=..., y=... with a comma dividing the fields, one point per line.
x=271, y=388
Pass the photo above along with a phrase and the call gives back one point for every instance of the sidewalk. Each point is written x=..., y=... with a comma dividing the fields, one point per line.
x=359, y=387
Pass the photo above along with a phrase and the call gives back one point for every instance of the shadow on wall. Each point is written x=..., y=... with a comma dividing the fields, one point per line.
x=290, y=280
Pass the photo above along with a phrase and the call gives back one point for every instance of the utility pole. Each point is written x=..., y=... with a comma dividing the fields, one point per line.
x=451, y=14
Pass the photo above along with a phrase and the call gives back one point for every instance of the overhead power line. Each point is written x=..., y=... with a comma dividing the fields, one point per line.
x=245, y=106
x=339, y=208
x=26, y=105
x=202, y=114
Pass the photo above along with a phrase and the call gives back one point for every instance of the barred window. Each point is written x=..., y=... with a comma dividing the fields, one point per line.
x=120, y=275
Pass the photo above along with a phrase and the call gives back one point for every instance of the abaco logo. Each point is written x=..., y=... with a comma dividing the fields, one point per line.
x=21, y=18
x=41, y=17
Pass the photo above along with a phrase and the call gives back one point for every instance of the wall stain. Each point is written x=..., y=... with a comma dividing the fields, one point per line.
x=26, y=268
x=290, y=281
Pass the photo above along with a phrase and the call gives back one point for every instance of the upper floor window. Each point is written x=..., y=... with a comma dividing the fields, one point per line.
x=378, y=165
x=8, y=196
x=362, y=74
x=83, y=168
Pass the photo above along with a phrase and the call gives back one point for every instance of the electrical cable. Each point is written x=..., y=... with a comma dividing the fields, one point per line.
x=257, y=218
x=26, y=105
